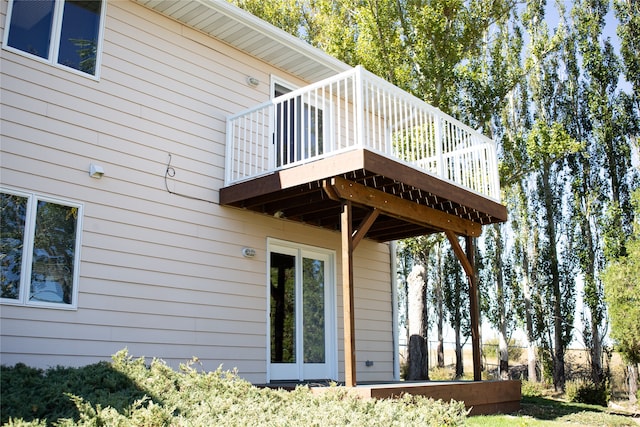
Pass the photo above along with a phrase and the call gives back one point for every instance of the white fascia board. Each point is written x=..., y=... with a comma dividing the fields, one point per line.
x=270, y=31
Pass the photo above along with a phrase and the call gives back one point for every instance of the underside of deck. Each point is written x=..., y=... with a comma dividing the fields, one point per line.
x=363, y=194
x=479, y=397
x=408, y=202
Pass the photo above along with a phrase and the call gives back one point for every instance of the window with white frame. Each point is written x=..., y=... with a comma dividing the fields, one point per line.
x=39, y=250
x=63, y=32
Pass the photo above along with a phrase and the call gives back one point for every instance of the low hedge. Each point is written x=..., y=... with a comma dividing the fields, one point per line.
x=130, y=392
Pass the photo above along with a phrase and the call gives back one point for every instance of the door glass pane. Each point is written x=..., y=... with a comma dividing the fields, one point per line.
x=30, y=27
x=313, y=132
x=283, y=308
x=313, y=310
x=54, y=248
x=299, y=129
x=12, y=222
x=79, y=35
x=285, y=132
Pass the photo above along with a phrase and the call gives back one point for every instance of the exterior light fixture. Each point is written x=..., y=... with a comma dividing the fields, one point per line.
x=248, y=252
x=252, y=81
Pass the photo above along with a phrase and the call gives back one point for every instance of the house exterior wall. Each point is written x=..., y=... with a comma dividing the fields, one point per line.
x=160, y=274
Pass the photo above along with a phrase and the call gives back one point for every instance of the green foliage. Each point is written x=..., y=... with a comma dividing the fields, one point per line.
x=441, y=374
x=628, y=12
x=491, y=347
x=548, y=143
x=545, y=356
x=19, y=422
x=533, y=388
x=622, y=293
x=128, y=392
x=586, y=391
x=284, y=14
x=31, y=393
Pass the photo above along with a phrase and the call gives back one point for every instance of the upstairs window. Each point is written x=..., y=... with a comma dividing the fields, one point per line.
x=64, y=32
x=39, y=250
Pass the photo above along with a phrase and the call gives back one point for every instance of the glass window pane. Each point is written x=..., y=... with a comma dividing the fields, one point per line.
x=283, y=308
x=79, y=35
x=53, y=253
x=13, y=212
x=314, y=310
x=30, y=27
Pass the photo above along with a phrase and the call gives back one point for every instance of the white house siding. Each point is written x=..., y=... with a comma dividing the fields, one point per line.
x=160, y=274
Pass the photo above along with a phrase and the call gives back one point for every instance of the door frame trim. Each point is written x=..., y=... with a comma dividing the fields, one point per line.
x=331, y=325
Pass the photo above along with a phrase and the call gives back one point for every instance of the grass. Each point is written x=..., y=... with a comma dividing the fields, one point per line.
x=547, y=411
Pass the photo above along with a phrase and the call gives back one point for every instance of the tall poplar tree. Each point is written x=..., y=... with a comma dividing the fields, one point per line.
x=548, y=143
x=455, y=287
x=602, y=173
x=487, y=80
x=622, y=293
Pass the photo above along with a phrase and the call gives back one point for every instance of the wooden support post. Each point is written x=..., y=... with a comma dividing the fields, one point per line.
x=347, y=295
x=468, y=264
x=475, y=312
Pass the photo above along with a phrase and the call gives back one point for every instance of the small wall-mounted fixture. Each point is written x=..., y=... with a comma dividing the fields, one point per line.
x=369, y=363
x=248, y=252
x=96, y=171
x=252, y=81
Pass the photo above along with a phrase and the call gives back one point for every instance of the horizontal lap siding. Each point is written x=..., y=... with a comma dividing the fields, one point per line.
x=373, y=312
x=160, y=274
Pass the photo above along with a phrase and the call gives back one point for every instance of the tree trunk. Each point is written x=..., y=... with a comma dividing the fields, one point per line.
x=593, y=295
x=531, y=342
x=558, y=354
x=439, y=309
x=459, y=359
x=632, y=381
x=503, y=351
x=418, y=361
x=529, y=248
x=595, y=351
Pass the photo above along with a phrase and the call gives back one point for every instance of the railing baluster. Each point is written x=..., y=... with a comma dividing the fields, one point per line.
x=359, y=123
x=358, y=109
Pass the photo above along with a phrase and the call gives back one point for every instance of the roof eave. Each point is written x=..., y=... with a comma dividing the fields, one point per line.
x=326, y=65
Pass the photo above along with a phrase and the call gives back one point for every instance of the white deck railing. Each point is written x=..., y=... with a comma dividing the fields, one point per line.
x=352, y=110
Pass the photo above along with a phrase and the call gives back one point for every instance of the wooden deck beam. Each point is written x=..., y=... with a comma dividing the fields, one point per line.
x=338, y=188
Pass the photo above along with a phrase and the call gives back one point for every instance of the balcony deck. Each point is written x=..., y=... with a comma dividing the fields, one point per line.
x=300, y=193
x=356, y=137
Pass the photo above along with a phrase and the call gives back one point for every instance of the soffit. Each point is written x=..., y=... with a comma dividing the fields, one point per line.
x=252, y=35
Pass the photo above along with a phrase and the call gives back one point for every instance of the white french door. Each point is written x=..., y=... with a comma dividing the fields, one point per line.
x=302, y=324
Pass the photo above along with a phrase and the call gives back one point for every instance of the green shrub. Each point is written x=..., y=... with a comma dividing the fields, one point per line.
x=128, y=392
x=491, y=348
x=532, y=388
x=586, y=391
x=30, y=393
x=19, y=422
x=441, y=374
